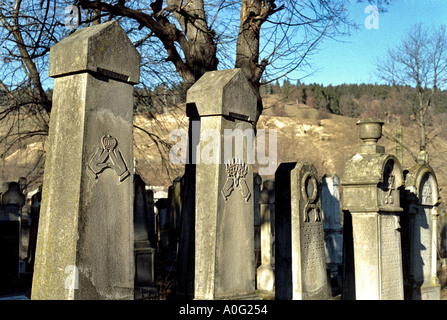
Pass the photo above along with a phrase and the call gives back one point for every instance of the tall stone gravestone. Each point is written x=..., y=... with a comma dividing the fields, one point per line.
x=333, y=237
x=85, y=240
x=184, y=286
x=225, y=101
x=265, y=277
x=371, y=185
x=419, y=232
x=11, y=202
x=144, y=253
x=257, y=182
x=300, y=262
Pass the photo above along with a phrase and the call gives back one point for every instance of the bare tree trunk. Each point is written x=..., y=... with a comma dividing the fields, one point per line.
x=201, y=52
x=253, y=14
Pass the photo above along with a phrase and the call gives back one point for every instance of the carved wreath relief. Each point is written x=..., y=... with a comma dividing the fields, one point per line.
x=389, y=184
x=106, y=156
x=426, y=197
x=236, y=172
x=309, y=191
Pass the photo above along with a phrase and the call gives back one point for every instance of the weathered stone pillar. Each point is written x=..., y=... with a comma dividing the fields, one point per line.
x=144, y=253
x=225, y=101
x=85, y=239
x=266, y=271
x=371, y=185
x=419, y=228
x=333, y=236
x=300, y=262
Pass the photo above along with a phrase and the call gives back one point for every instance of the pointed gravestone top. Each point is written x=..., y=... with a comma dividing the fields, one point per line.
x=224, y=92
x=103, y=49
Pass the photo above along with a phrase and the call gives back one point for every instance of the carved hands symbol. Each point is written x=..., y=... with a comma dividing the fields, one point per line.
x=108, y=156
x=236, y=172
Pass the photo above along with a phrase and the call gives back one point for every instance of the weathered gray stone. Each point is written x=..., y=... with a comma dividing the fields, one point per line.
x=333, y=237
x=257, y=182
x=85, y=239
x=103, y=49
x=144, y=253
x=227, y=94
x=224, y=246
x=9, y=246
x=371, y=185
x=419, y=232
x=186, y=252
x=266, y=271
x=11, y=194
x=300, y=262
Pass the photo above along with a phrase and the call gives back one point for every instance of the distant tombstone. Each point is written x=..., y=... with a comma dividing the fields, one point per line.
x=11, y=201
x=36, y=201
x=9, y=246
x=151, y=223
x=184, y=285
x=163, y=206
x=419, y=232
x=266, y=271
x=300, y=262
x=224, y=240
x=333, y=236
x=85, y=240
x=371, y=184
x=257, y=182
x=11, y=194
x=144, y=253
x=177, y=187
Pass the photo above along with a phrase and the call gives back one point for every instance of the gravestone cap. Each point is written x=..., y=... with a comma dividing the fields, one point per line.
x=413, y=181
x=224, y=93
x=370, y=131
x=103, y=49
x=10, y=194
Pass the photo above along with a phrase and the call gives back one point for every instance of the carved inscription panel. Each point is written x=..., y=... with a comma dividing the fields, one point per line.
x=313, y=259
x=391, y=281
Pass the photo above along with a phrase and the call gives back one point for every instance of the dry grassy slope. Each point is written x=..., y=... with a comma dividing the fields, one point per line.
x=303, y=133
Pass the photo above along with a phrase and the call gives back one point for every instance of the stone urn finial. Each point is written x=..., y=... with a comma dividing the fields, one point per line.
x=370, y=131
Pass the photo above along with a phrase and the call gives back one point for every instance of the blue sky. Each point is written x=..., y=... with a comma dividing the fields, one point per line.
x=354, y=59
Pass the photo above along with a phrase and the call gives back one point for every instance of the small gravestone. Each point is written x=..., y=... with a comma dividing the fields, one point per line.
x=163, y=206
x=85, y=244
x=266, y=271
x=9, y=247
x=184, y=285
x=257, y=182
x=419, y=232
x=333, y=236
x=36, y=201
x=177, y=189
x=371, y=187
x=144, y=253
x=11, y=201
x=11, y=194
x=224, y=240
x=300, y=262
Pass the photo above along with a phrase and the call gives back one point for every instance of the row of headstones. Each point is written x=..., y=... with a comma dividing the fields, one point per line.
x=93, y=90
x=165, y=221
x=18, y=232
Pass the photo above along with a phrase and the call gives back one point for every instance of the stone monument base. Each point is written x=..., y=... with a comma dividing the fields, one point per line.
x=431, y=292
